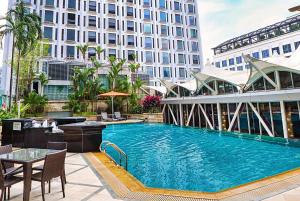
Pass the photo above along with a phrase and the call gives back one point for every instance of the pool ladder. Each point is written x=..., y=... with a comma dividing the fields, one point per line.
x=122, y=155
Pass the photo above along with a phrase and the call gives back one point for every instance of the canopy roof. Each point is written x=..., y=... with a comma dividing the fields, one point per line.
x=160, y=89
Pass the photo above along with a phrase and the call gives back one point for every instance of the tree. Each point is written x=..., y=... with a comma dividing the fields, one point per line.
x=116, y=68
x=83, y=50
x=25, y=28
x=43, y=78
x=99, y=51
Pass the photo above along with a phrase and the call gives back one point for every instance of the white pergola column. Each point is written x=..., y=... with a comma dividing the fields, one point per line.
x=261, y=120
x=219, y=116
x=283, y=118
x=237, y=111
x=171, y=111
x=180, y=115
x=206, y=117
x=191, y=114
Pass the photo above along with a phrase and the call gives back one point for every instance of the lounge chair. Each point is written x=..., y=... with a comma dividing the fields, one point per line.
x=104, y=117
x=119, y=117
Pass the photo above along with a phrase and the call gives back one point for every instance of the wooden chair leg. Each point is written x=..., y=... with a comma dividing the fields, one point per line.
x=49, y=186
x=43, y=190
x=65, y=178
x=62, y=185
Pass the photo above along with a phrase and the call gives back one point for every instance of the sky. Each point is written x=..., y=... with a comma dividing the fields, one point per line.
x=221, y=20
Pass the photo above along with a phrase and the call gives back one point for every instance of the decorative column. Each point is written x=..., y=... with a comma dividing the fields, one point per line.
x=219, y=116
x=180, y=114
x=283, y=118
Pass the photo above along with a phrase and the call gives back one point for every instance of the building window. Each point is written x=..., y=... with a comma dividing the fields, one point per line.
x=72, y=4
x=70, y=51
x=255, y=55
x=111, y=8
x=191, y=8
x=147, y=3
x=265, y=54
x=112, y=38
x=239, y=60
x=163, y=16
x=166, y=72
x=131, y=55
x=92, y=36
x=147, y=28
x=192, y=20
x=111, y=23
x=148, y=42
x=164, y=30
x=92, y=21
x=129, y=11
x=92, y=6
x=162, y=4
x=47, y=3
x=70, y=34
x=231, y=62
x=180, y=45
x=147, y=14
x=239, y=68
x=177, y=6
x=149, y=58
x=275, y=51
x=149, y=71
x=165, y=58
x=196, y=59
x=179, y=31
x=165, y=44
x=48, y=16
x=287, y=48
x=91, y=52
x=130, y=25
x=195, y=46
x=71, y=18
x=224, y=63
x=181, y=59
x=178, y=18
x=48, y=32
x=130, y=40
x=112, y=53
x=182, y=72
x=193, y=33
x=218, y=64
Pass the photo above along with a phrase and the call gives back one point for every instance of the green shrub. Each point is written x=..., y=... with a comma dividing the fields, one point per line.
x=137, y=109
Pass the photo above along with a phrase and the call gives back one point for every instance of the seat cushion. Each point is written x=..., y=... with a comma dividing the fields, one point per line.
x=37, y=176
x=38, y=168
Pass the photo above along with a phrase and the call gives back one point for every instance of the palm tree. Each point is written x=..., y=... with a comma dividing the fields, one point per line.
x=83, y=49
x=26, y=30
x=43, y=80
x=116, y=68
x=99, y=51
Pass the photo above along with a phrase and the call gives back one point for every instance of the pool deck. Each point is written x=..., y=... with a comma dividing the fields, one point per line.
x=128, y=121
x=283, y=187
x=90, y=179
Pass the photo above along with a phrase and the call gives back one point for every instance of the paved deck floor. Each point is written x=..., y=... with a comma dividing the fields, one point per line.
x=82, y=184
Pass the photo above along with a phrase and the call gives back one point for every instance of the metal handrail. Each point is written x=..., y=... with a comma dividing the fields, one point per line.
x=122, y=154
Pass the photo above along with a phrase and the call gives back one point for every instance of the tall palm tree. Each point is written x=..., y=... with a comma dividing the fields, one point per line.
x=83, y=49
x=116, y=68
x=26, y=29
x=99, y=51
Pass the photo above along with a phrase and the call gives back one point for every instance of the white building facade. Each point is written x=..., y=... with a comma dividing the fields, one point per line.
x=281, y=38
x=163, y=35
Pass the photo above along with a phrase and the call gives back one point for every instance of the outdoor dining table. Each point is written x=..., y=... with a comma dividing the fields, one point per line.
x=26, y=157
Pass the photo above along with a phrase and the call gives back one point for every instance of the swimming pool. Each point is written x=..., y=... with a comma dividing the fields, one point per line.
x=170, y=157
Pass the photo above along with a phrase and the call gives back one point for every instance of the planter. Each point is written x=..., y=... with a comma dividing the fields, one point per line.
x=148, y=117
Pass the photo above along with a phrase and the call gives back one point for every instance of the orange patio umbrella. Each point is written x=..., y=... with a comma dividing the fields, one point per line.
x=113, y=94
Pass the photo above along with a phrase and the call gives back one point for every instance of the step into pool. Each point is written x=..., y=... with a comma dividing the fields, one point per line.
x=171, y=157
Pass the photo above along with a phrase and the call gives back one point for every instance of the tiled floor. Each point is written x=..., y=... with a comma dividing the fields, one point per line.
x=83, y=184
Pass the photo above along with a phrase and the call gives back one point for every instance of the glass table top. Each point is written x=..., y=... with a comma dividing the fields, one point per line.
x=27, y=155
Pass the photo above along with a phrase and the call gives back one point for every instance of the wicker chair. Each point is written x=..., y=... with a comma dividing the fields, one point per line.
x=9, y=168
x=6, y=183
x=55, y=146
x=53, y=168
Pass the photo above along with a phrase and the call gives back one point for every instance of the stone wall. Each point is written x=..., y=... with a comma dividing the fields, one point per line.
x=55, y=106
x=148, y=117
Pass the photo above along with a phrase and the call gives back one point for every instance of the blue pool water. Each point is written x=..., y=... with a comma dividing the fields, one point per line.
x=170, y=157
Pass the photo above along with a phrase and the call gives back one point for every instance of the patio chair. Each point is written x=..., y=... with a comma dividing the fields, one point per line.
x=55, y=146
x=105, y=117
x=9, y=168
x=6, y=183
x=119, y=117
x=53, y=168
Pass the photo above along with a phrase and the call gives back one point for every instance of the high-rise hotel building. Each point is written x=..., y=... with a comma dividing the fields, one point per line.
x=163, y=35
